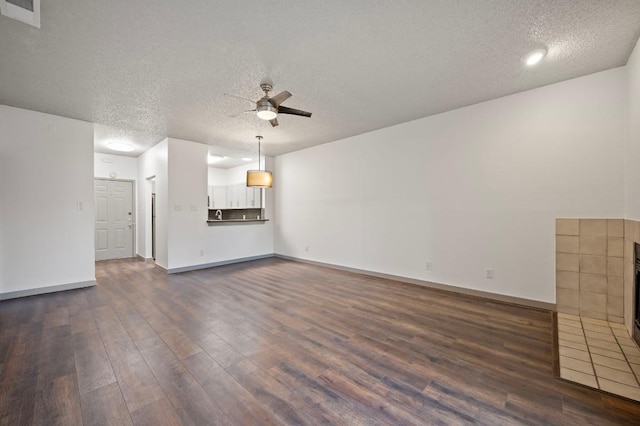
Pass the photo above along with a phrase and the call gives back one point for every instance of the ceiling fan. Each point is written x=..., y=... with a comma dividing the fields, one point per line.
x=268, y=108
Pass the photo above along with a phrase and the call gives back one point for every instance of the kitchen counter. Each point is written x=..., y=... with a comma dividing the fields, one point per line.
x=234, y=221
x=235, y=216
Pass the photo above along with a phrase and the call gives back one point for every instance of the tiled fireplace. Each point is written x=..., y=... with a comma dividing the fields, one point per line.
x=595, y=291
x=595, y=268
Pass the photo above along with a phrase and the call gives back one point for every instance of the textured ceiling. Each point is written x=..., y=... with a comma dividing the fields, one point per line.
x=157, y=68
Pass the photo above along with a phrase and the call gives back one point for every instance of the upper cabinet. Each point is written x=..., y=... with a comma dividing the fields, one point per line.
x=218, y=197
x=241, y=197
x=227, y=189
x=253, y=197
x=235, y=198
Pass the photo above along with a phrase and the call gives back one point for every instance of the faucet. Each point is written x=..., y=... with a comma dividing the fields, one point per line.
x=219, y=214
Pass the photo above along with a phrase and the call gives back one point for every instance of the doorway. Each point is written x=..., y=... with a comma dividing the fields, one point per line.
x=114, y=219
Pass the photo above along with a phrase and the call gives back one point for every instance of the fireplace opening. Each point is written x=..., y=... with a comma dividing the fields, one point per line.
x=636, y=297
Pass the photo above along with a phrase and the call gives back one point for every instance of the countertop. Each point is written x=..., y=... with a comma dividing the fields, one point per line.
x=216, y=221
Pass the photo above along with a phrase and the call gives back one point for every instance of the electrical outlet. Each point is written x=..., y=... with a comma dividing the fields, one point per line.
x=201, y=252
x=489, y=273
x=306, y=249
x=429, y=266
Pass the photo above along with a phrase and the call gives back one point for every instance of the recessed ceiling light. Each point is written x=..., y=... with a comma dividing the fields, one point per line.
x=533, y=57
x=247, y=158
x=214, y=158
x=120, y=146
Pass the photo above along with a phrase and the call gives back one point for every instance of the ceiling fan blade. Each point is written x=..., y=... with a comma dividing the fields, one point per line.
x=292, y=111
x=239, y=97
x=243, y=112
x=274, y=122
x=279, y=98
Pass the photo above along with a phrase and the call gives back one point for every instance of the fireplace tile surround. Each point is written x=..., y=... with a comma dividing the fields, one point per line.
x=595, y=267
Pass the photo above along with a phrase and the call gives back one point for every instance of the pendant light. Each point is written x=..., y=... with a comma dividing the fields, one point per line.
x=259, y=178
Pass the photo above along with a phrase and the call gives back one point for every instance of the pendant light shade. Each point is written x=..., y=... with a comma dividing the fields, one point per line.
x=259, y=178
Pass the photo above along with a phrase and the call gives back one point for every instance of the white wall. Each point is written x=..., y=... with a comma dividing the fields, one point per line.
x=189, y=234
x=474, y=188
x=217, y=176
x=187, y=202
x=46, y=168
x=125, y=168
x=632, y=154
x=239, y=173
x=153, y=164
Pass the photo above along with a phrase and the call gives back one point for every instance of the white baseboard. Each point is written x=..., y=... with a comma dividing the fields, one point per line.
x=445, y=287
x=214, y=264
x=44, y=290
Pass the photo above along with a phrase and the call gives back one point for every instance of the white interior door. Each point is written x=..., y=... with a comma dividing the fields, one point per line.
x=114, y=219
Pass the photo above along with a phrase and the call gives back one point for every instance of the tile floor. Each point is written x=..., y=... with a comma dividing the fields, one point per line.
x=599, y=354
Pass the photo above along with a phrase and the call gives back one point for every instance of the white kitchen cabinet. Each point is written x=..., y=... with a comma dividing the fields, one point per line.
x=210, y=199
x=236, y=196
x=253, y=198
x=242, y=195
x=219, y=196
x=231, y=196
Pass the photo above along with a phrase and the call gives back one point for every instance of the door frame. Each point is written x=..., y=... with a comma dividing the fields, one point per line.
x=133, y=210
x=153, y=226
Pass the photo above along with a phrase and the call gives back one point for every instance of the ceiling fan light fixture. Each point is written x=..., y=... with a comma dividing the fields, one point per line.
x=265, y=110
x=267, y=115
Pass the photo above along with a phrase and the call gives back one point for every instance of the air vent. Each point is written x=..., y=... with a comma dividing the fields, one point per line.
x=27, y=11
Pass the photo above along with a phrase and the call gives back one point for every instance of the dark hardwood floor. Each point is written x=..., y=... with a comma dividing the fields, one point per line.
x=279, y=342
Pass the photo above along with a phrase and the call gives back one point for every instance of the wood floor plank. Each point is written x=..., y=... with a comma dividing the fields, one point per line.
x=137, y=383
x=93, y=367
x=313, y=392
x=157, y=413
x=104, y=406
x=191, y=403
x=368, y=402
x=56, y=356
x=58, y=402
x=273, y=395
x=19, y=377
x=240, y=406
x=281, y=342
